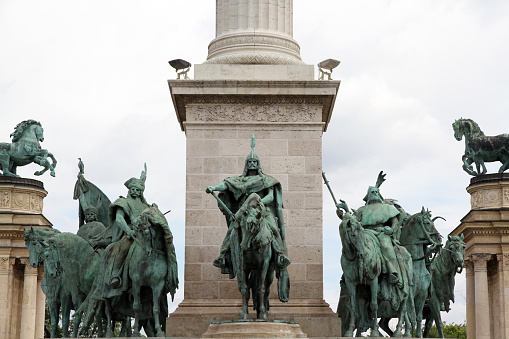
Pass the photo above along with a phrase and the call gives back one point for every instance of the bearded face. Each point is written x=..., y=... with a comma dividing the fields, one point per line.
x=373, y=196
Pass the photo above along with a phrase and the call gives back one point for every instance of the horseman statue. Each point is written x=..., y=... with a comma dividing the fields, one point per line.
x=377, y=271
x=25, y=149
x=253, y=207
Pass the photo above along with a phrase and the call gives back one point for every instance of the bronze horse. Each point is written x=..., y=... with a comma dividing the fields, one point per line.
x=480, y=148
x=25, y=149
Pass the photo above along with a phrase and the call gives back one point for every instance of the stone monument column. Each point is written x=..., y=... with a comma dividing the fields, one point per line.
x=485, y=229
x=29, y=301
x=253, y=82
x=21, y=298
x=482, y=311
x=470, y=286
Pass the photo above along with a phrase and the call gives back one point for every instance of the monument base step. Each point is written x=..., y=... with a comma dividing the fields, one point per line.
x=192, y=318
x=254, y=329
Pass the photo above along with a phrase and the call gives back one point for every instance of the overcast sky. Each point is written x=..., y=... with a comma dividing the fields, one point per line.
x=94, y=74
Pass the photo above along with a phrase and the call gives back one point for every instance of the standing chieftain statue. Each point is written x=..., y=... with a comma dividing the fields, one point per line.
x=480, y=148
x=393, y=264
x=25, y=149
x=254, y=246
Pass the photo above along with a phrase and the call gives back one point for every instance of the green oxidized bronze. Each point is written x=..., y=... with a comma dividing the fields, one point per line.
x=480, y=148
x=387, y=260
x=129, y=278
x=25, y=149
x=253, y=207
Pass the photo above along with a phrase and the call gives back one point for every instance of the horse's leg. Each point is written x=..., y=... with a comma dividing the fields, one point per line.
x=66, y=312
x=373, y=306
x=44, y=163
x=244, y=290
x=351, y=287
x=261, y=285
x=77, y=319
x=109, y=318
x=419, y=306
x=136, y=289
x=157, y=291
x=398, y=333
x=54, y=310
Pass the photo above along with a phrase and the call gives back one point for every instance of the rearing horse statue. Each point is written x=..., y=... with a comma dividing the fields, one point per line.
x=480, y=148
x=25, y=149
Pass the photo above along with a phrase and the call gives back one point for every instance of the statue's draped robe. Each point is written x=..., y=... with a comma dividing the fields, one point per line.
x=239, y=188
x=375, y=217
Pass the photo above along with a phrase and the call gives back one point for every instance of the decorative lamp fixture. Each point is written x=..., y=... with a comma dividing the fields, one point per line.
x=327, y=65
x=181, y=67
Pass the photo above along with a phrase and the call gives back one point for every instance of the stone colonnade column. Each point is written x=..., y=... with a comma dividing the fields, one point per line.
x=41, y=306
x=469, y=273
x=503, y=271
x=6, y=275
x=482, y=310
x=29, y=303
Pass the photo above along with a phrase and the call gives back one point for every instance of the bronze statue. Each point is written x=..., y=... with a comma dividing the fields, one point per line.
x=25, y=149
x=252, y=205
x=480, y=148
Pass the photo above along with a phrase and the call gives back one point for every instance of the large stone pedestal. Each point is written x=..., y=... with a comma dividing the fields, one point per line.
x=21, y=298
x=288, y=118
x=486, y=231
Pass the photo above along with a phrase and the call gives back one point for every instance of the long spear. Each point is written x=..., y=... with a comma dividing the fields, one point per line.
x=231, y=216
x=330, y=190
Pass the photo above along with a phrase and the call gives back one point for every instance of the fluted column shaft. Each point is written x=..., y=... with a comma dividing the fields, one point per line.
x=40, y=307
x=469, y=275
x=248, y=15
x=482, y=309
x=29, y=303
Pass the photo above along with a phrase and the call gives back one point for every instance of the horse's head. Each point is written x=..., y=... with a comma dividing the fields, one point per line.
x=456, y=246
x=252, y=213
x=420, y=229
x=466, y=127
x=34, y=247
x=51, y=258
x=349, y=231
x=29, y=129
x=39, y=133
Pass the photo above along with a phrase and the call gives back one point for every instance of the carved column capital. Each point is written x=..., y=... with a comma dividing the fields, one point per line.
x=29, y=270
x=469, y=266
x=480, y=261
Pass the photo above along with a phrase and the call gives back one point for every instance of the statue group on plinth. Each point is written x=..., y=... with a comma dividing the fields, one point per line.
x=120, y=265
x=394, y=266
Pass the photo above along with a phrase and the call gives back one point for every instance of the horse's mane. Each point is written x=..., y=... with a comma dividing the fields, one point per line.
x=20, y=128
x=474, y=127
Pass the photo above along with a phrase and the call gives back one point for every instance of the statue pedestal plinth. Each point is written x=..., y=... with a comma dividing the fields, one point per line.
x=21, y=298
x=486, y=228
x=254, y=329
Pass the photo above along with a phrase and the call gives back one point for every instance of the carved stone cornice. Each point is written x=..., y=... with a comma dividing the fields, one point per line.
x=480, y=261
x=257, y=113
x=254, y=100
